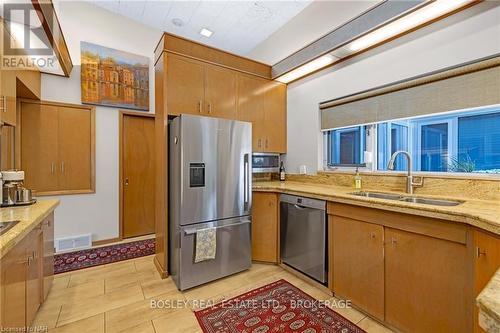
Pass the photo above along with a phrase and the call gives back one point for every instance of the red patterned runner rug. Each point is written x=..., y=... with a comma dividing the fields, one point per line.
x=73, y=261
x=276, y=307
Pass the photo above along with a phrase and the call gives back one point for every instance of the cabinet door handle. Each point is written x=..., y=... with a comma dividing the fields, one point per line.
x=4, y=104
x=266, y=143
x=209, y=107
x=394, y=241
x=200, y=106
x=62, y=167
x=259, y=143
x=52, y=168
x=480, y=253
x=372, y=235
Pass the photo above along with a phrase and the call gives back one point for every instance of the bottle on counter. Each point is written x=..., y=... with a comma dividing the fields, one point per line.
x=357, y=180
x=282, y=172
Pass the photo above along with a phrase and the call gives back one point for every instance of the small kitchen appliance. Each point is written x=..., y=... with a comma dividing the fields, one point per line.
x=13, y=191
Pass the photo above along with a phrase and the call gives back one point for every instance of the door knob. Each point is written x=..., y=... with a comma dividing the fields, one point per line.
x=126, y=182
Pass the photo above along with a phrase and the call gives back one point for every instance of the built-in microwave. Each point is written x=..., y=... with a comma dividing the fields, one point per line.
x=265, y=162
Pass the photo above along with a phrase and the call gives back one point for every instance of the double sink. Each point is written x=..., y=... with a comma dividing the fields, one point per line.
x=417, y=200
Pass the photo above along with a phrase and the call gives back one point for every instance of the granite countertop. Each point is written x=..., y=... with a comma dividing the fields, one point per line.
x=483, y=214
x=29, y=217
x=488, y=302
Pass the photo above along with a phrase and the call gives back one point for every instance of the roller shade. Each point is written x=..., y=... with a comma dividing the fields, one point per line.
x=461, y=87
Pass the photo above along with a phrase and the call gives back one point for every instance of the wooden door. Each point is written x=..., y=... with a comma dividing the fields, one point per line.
x=138, y=172
x=265, y=227
x=251, y=107
x=48, y=254
x=8, y=97
x=220, y=92
x=486, y=263
x=358, y=264
x=185, y=91
x=74, y=141
x=13, y=287
x=275, y=118
x=425, y=283
x=39, y=146
x=34, y=275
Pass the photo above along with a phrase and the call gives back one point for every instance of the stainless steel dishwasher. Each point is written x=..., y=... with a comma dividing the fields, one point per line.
x=303, y=235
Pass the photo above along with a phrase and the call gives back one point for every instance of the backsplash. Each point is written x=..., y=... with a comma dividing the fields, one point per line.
x=484, y=189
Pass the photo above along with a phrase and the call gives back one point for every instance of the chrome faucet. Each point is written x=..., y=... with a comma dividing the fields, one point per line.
x=410, y=184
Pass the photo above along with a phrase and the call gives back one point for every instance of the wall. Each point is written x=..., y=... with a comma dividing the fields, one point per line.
x=80, y=21
x=465, y=36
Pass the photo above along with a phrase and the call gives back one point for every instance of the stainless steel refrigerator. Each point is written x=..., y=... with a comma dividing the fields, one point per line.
x=210, y=186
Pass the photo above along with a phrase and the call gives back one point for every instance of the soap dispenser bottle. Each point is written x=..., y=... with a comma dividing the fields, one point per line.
x=357, y=180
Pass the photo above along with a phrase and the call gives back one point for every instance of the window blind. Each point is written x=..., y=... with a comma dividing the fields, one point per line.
x=466, y=86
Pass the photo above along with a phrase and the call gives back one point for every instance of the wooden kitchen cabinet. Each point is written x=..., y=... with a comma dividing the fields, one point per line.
x=58, y=147
x=186, y=92
x=275, y=118
x=425, y=283
x=265, y=227
x=48, y=254
x=358, y=263
x=8, y=112
x=220, y=92
x=13, y=267
x=34, y=274
x=251, y=107
x=486, y=253
x=21, y=281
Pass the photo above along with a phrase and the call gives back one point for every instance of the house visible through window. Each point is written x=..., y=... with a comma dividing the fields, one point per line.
x=455, y=142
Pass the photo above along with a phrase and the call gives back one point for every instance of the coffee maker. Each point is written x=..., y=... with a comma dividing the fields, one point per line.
x=13, y=191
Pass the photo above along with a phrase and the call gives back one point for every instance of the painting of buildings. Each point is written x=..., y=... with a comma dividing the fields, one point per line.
x=114, y=78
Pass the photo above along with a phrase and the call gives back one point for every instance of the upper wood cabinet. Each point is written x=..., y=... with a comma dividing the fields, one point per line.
x=8, y=97
x=220, y=92
x=185, y=87
x=197, y=87
x=251, y=106
x=358, y=263
x=58, y=147
x=263, y=103
x=265, y=227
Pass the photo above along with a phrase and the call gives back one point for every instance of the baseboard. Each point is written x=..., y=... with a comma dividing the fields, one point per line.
x=106, y=241
x=159, y=268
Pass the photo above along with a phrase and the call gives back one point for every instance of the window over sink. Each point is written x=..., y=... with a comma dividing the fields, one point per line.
x=465, y=141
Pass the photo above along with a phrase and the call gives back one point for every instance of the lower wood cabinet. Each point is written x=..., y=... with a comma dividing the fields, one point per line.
x=23, y=282
x=358, y=269
x=486, y=254
x=416, y=274
x=425, y=283
x=48, y=254
x=265, y=227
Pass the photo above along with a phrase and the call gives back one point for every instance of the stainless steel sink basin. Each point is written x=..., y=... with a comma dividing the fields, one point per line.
x=5, y=226
x=434, y=202
x=378, y=195
x=417, y=200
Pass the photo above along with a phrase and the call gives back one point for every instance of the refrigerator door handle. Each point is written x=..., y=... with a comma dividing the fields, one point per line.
x=193, y=230
x=246, y=181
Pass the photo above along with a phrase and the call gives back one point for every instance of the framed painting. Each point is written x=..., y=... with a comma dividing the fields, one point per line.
x=115, y=78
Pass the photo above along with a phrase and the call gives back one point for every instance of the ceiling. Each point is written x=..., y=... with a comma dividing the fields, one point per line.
x=238, y=26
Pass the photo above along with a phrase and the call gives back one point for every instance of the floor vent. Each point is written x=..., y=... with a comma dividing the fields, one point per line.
x=73, y=243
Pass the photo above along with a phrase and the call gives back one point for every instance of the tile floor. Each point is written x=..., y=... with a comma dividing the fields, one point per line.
x=117, y=297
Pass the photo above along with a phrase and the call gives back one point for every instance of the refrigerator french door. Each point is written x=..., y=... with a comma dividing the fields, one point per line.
x=209, y=187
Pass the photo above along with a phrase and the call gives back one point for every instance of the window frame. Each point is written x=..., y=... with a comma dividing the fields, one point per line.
x=371, y=144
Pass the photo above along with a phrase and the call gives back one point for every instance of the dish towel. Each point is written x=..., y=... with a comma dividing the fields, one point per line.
x=206, y=244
